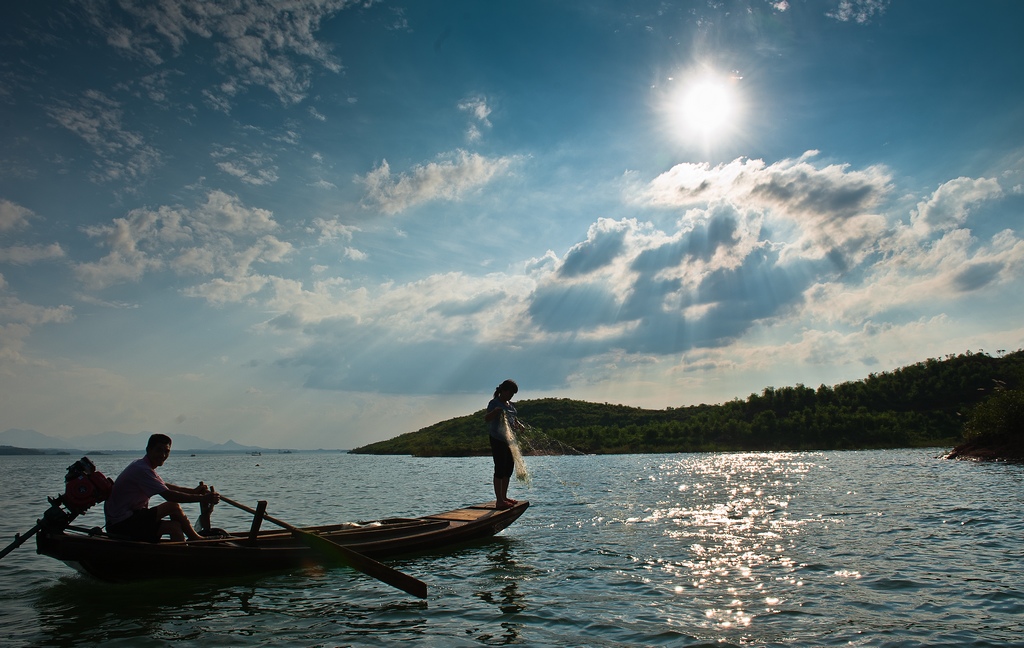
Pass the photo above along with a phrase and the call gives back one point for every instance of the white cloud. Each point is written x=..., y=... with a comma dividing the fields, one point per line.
x=264, y=44
x=268, y=249
x=122, y=154
x=18, y=319
x=26, y=254
x=859, y=11
x=479, y=113
x=830, y=211
x=452, y=177
x=126, y=238
x=12, y=341
x=226, y=212
x=13, y=215
x=251, y=168
x=355, y=255
x=219, y=102
x=15, y=310
x=195, y=260
x=950, y=204
x=224, y=291
x=917, y=272
x=333, y=229
x=799, y=188
x=220, y=236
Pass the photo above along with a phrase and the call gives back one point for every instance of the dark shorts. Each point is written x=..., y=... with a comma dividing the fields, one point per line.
x=503, y=464
x=144, y=525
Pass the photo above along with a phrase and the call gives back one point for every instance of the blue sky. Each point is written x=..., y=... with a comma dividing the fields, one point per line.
x=318, y=223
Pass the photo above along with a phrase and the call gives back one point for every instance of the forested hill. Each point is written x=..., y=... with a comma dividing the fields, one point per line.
x=920, y=405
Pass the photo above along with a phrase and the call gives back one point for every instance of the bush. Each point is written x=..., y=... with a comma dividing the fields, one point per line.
x=999, y=417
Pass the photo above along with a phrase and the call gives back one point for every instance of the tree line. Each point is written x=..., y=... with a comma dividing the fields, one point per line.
x=921, y=405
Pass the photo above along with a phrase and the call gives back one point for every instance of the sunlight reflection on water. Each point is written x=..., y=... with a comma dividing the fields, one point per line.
x=727, y=515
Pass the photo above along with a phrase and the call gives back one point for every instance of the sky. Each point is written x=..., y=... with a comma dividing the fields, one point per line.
x=320, y=223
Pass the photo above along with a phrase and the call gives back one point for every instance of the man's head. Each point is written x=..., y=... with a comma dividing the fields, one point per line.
x=158, y=449
x=507, y=389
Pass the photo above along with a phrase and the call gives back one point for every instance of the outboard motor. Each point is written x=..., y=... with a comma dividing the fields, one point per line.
x=85, y=486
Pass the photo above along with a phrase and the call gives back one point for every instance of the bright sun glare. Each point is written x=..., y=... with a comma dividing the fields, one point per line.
x=706, y=107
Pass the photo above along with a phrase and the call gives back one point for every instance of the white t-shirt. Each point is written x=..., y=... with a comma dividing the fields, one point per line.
x=132, y=490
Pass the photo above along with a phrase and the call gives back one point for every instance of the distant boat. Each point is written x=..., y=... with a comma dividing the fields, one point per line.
x=256, y=454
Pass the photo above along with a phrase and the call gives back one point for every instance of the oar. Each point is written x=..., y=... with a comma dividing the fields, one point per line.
x=54, y=519
x=353, y=559
x=19, y=539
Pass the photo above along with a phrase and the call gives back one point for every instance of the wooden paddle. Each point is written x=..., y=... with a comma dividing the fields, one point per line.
x=347, y=556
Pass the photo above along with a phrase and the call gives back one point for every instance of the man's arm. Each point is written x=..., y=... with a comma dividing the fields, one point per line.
x=183, y=495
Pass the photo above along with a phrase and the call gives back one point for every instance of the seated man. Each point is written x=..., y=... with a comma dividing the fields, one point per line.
x=127, y=509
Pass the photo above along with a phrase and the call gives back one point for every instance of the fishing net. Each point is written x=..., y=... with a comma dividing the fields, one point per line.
x=534, y=442
x=522, y=474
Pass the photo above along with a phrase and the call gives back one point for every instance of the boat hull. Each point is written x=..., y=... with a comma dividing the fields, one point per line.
x=115, y=560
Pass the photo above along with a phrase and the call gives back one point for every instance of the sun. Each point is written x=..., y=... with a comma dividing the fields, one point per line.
x=705, y=107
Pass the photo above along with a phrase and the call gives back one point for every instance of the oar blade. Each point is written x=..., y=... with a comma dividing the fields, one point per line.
x=345, y=556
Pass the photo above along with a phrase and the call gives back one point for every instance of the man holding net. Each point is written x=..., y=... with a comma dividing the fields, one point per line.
x=498, y=411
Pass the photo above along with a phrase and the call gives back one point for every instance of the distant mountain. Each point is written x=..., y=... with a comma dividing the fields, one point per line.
x=114, y=442
x=29, y=439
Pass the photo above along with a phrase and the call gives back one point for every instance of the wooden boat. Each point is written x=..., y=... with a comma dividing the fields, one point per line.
x=97, y=554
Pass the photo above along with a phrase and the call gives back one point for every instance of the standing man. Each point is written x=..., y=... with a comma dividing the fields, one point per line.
x=500, y=407
x=127, y=509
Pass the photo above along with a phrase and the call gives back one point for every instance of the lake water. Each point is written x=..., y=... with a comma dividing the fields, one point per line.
x=887, y=548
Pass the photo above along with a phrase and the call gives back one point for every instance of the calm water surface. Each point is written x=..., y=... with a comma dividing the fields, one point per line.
x=893, y=548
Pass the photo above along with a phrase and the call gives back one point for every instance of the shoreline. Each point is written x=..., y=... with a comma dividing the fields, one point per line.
x=989, y=450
